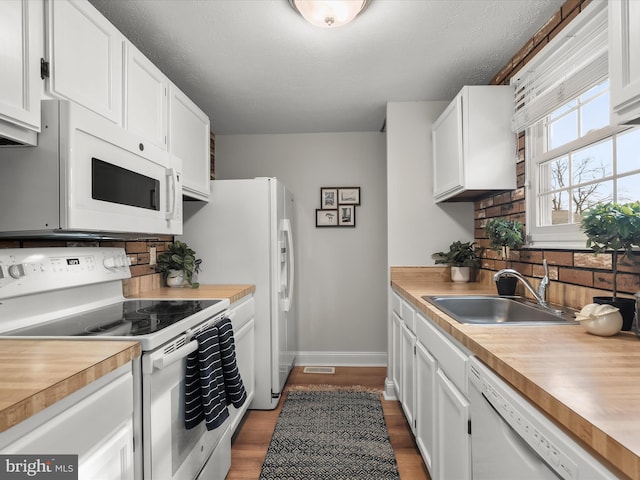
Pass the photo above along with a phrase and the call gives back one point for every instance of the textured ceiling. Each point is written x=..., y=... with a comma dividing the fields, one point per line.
x=255, y=66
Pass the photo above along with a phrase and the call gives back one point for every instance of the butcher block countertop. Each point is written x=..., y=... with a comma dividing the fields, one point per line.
x=232, y=292
x=35, y=374
x=588, y=384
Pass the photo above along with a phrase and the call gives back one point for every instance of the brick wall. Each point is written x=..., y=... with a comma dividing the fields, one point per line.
x=581, y=267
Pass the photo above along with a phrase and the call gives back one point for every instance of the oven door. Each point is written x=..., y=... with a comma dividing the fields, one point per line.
x=170, y=450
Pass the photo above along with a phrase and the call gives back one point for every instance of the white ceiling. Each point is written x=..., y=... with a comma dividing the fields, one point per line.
x=255, y=66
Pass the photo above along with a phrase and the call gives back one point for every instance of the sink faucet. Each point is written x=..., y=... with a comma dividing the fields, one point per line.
x=541, y=294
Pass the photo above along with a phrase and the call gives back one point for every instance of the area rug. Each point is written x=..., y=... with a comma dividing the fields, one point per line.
x=335, y=435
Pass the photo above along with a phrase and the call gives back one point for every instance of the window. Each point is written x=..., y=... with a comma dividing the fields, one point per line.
x=575, y=158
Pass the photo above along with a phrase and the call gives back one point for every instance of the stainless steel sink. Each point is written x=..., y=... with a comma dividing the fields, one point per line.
x=488, y=310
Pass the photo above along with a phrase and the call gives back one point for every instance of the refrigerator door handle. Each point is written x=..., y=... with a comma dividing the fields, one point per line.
x=286, y=226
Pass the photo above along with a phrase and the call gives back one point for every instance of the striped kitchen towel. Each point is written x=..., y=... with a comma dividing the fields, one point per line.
x=234, y=388
x=212, y=378
x=205, y=396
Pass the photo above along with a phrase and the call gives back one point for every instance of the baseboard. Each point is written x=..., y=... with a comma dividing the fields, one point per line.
x=342, y=359
x=389, y=392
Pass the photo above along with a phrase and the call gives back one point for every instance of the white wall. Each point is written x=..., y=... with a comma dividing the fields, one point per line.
x=417, y=226
x=342, y=272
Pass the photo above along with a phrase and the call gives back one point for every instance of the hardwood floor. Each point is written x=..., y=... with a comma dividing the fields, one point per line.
x=250, y=444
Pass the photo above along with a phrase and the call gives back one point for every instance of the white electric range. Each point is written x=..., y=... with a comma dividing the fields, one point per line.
x=76, y=293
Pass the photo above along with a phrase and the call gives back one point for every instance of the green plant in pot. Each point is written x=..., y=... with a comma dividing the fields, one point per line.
x=505, y=234
x=462, y=257
x=614, y=227
x=179, y=264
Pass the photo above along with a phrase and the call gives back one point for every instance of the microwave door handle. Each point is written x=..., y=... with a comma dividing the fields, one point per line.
x=173, y=174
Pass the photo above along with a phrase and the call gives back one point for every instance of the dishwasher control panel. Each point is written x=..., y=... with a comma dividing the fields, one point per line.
x=561, y=454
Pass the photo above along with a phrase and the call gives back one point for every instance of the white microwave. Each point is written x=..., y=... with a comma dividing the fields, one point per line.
x=90, y=177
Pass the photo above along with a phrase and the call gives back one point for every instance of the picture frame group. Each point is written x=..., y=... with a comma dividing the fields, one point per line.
x=337, y=207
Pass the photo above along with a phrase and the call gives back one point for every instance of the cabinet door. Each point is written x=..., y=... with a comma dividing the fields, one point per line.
x=453, y=442
x=408, y=375
x=112, y=459
x=448, y=174
x=189, y=140
x=624, y=59
x=245, y=356
x=22, y=46
x=425, y=404
x=396, y=354
x=85, y=52
x=146, y=98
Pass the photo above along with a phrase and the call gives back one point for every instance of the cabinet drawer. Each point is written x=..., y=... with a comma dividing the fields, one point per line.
x=451, y=359
x=409, y=316
x=396, y=303
x=241, y=312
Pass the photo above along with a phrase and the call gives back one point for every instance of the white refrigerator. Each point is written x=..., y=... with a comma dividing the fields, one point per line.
x=244, y=235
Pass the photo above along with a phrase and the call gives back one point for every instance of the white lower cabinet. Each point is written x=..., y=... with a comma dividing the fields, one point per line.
x=396, y=354
x=426, y=368
x=243, y=322
x=95, y=423
x=408, y=375
x=453, y=442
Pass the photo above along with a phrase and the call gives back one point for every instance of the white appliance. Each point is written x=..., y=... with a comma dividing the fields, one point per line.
x=76, y=293
x=511, y=439
x=245, y=236
x=88, y=176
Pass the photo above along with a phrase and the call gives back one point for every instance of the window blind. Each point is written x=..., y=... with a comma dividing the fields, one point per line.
x=574, y=61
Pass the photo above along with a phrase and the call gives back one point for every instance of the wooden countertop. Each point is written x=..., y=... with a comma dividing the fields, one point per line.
x=232, y=292
x=35, y=374
x=589, y=385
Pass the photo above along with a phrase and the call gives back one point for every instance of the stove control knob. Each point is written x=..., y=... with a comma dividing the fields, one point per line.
x=121, y=261
x=16, y=271
x=109, y=263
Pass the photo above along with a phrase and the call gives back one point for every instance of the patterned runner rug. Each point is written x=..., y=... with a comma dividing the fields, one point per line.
x=330, y=435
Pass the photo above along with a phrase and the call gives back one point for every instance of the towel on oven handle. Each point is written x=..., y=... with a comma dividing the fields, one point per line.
x=212, y=379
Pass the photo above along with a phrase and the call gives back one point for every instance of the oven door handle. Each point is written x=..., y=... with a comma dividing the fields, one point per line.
x=179, y=354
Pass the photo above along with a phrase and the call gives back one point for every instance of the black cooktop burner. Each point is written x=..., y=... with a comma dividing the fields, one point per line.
x=129, y=319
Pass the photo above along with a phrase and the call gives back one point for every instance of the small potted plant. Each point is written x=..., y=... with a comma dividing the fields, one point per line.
x=461, y=257
x=505, y=234
x=179, y=265
x=614, y=227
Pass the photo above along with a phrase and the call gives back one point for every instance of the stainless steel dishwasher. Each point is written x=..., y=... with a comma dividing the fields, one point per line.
x=511, y=439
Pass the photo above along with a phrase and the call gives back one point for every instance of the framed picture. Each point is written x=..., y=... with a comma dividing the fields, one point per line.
x=326, y=218
x=349, y=196
x=328, y=198
x=347, y=215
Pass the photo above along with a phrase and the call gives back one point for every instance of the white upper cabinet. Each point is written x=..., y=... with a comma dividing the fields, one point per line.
x=21, y=48
x=86, y=56
x=474, y=150
x=624, y=60
x=189, y=135
x=146, y=98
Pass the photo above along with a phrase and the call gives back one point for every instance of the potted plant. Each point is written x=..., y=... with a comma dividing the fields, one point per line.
x=614, y=227
x=461, y=257
x=505, y=234
x=179, y=264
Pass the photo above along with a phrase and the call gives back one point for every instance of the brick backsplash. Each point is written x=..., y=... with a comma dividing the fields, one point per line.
x=578, y=267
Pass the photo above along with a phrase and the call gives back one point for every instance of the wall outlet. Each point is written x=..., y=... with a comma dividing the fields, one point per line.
x=152, y=256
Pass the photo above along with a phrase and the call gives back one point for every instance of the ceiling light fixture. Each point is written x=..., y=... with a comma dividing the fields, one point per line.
x=329, y=13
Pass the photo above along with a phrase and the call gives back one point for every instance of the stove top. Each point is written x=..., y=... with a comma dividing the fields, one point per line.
x=129, y=318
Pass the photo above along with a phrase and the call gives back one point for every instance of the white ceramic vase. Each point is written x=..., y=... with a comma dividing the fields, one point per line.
x=460, y=274
x=175, y=278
